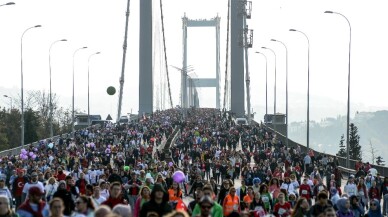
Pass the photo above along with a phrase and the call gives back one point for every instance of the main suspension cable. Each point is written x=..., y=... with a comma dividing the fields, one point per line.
x=165, y=54
x=227, y=57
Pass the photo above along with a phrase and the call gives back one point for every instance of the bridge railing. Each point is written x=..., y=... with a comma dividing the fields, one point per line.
x=341, y=160
x=17, y=150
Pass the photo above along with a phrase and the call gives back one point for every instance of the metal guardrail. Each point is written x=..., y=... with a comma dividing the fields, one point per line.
x=341, y=161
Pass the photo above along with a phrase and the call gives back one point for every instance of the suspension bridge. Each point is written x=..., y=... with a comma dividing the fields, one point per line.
x=232, y=93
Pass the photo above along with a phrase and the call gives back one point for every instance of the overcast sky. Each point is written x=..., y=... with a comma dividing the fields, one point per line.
x=99, y=25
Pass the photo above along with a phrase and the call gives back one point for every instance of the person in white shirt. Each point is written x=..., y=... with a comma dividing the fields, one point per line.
x=104, y=192
x=373, y=171
x=50, y=188
x=92, y=175
x=5, y=191
x=96, y=197
x=350, y=188
x=287, y=185
x=34, y=182
x=295, y=183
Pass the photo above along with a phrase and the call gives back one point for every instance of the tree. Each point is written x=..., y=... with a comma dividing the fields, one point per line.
x=380, y=161
x=31, y=125
x=4, y=144
x=342, y=151
x=354, y=143
x=372, y=151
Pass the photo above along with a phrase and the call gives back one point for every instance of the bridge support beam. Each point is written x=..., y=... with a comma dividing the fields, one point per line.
x=237, y=58
x=145, y=58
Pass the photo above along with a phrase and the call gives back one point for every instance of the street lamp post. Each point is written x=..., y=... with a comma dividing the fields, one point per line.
x=286, y=87
x=6, y=96
x=348, y=106
x=88, y=86
x=266, y=84
x=9, y=3
x=51, y=102
x=73, y=117
x=274, y=104
x=308, y=87
x=21, y=81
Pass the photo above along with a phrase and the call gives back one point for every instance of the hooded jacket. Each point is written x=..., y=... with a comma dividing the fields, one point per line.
x=151, y=206
x=377, y=212
x=66, y=197
x=357, y=209
x=343, y=211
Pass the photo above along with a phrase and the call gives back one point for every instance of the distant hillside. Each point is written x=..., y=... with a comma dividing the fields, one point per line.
x=325, y=135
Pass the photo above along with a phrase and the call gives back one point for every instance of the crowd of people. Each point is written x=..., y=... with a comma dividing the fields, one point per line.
x=230, y=170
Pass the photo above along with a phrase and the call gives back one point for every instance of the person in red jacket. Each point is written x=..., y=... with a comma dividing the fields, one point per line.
x=81, y=184
x=305, y=190
x=282, y=208
x=374, y=192
x=60, y=174
x=115, y=196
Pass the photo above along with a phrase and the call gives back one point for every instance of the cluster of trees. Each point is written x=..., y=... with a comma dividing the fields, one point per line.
x=355, y=152
x=354, y=144
x=36, y=120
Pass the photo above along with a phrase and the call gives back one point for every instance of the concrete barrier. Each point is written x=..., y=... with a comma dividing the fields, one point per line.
x=17, y=150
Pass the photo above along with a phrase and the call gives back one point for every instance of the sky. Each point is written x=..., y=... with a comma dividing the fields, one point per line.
x=99, y=25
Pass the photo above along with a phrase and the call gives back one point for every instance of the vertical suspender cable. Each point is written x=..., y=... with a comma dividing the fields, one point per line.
x=227, y=56
x=165, y=54
x=123, y=63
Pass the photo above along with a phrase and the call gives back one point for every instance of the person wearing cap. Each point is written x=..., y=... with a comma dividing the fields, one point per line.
x=33, y=183
x=158, y=202
x=18, y=185
x=133, y=188
x=34, y=206
x=5, y=191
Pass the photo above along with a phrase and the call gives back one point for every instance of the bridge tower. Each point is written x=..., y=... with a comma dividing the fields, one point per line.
x=199, y=82
x=145, y=58
x=237, y=98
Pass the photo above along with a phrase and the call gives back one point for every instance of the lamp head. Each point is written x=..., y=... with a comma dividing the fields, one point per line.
x=273, y=40
x=257, y=52
x=37, y=26
x=98, y=52
x=84, y=47
x=63, y=40
x=10, y=3
x=328, y=12
x=292, y=30
x=5, y=95
x=264, y=47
